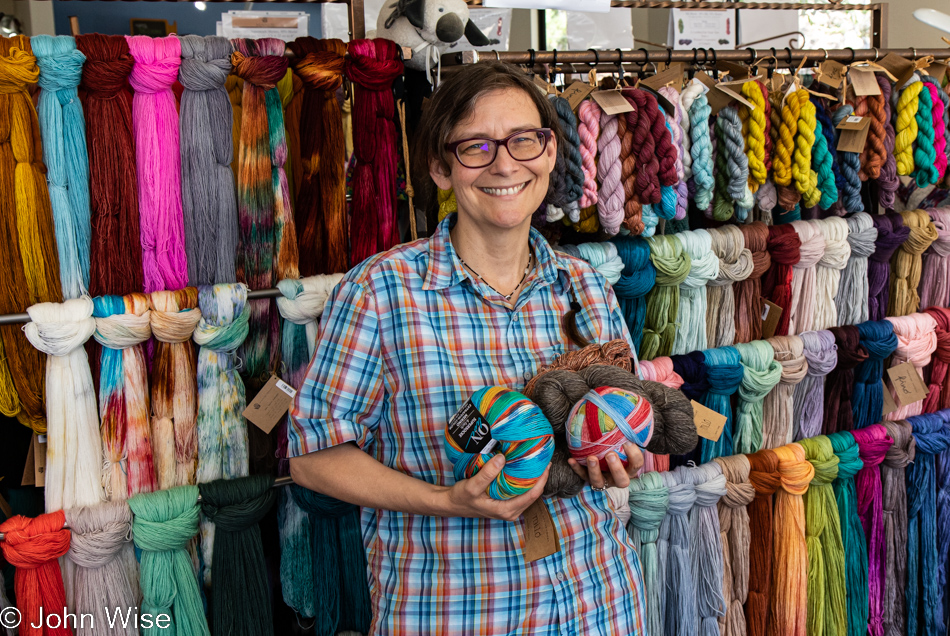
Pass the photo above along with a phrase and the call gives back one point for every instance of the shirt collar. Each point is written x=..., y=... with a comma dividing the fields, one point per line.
x=445, y=268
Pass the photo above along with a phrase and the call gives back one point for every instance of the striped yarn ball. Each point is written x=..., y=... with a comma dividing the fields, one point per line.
x=606, y=419
x=522, y=434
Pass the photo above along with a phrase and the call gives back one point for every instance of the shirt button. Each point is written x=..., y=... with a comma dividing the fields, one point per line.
x=561, y=576
x=526, y=375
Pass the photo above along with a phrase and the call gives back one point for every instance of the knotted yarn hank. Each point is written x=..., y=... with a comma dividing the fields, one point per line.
x=942, y=475
x=784, y=246
x=123, y=323
x=734, y=534
x=850, y=163
x=835, y=258
x=681, y=145
x=789, y=607
x=766, y=480
x=697, y=106
x=784, y=146
x=879, y=341
x=574, y=173
x=32, y=546
x=239, y=578
x=691, y=315
x=821, y=354
x=852, y=532
x=924, y=596
x=74, y=455
x=938, y=108
x=320, y=211
x=822, y=160
x=749, y=291
x=925, y=157
x=619, y=504
x=672, y=265
x=373, y=66
x=753, y=125
x=174, y=317
x=115, y=260
x=852, y=297
x=906, y=127
x=726, y=166
x=737, y=163
x=724, y=374
x=938, y=396
x=907, y=263
x=675, y=547
x=207, y=148
x=106, y=573
x=935, y=263
x=828, y=132
x=691, y=368
x=761, y=372
x=804, y=301
x=588, y=129
x=64, y=153
x=887, y=180
x=637, y=278
x=158, y=160
x=916, y=337
x=894, y=489
x=873, y=443
x=778, y=406
x=827, y=607
x=839, y=384
x=649, y=499
x=804, y=177
x=163, y=524
x=610, y=197
x=891, y=233
x=735, y=264
x=875, y=153
x=29, y=259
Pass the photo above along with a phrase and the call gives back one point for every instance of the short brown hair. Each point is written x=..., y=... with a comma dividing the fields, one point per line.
x=453, y=102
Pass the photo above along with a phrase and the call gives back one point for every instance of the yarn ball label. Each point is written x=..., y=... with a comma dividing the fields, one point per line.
x=863, y=81
x=576, y=92
x=889, y=405
x=612, y=102
x=540, y=535
x=908, y=387
x=471, y=431
x=270, y=404
x=709, y=423
x=854, y=133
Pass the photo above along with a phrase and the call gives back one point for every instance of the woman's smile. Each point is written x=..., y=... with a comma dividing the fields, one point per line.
x=505, y=191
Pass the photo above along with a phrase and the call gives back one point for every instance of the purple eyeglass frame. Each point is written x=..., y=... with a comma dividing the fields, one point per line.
x=546, y=134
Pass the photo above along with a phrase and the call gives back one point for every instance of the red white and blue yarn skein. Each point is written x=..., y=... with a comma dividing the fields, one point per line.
x=606, y=419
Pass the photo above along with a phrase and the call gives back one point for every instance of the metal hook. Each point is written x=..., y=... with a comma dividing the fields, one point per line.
x=852, y=54
x=532, y=58
x=497, y=57
x=714, y=70
x=914, y=49
x=596, y=61
x=695, y=56
x=669, y=56
x=788, y=52
x=825, y=51
x=754, y=55
x=553, y=73
x=877, y=54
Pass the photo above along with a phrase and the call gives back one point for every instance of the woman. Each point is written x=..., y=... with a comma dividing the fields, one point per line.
x=410, y=334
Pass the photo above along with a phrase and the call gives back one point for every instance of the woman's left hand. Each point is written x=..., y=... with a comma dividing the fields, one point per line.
x=619, y=476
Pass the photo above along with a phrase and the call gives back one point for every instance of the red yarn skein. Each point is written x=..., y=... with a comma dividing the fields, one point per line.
x=785, y=247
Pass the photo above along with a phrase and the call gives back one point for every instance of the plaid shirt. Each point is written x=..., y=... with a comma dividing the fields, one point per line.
x=406, y=338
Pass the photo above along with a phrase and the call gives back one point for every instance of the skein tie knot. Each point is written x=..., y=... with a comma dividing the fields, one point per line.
x=262, y=71
x=17, y=71
x=60, y=64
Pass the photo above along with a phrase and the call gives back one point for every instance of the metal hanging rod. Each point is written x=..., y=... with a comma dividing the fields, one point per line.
x=280, y=481
x=702, y=4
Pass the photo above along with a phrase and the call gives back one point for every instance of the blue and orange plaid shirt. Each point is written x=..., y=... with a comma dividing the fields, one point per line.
x=406, y=338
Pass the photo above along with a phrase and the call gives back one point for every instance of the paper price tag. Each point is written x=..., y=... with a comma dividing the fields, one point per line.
x=543, y=86
x=771, y=313
x=908, y=386
x=270, y=405
x=864, y=82
x=576, y=92
x=696, y=81
x=29, y=467
x=854, y=133
x=540, y=535
x=612, y=102
x=899, y=67
x=672, y=75
x=936, y=70
x=39, y=460
x=736, y=70
x=831, y=73
x=709, y=423
x=889, y=405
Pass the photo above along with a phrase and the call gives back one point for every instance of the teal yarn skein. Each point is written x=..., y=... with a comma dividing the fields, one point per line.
x=163, y=523
x=822, y=162
x=241, y=602
x=761, y=372
x=701, y=151
x=520, y=432
x=649, y=500
x=925, y=153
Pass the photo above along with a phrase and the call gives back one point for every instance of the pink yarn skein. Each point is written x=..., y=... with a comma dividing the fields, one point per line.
x=916, y=342
x=611, y=196
x=940, y=131
x=588, y=128
x=935, y=282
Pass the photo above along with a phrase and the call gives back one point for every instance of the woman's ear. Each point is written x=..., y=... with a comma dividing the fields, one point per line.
x=439, y=174
x=551, y=150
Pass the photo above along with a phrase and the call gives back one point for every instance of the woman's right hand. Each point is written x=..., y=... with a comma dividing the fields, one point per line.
x=469, y=498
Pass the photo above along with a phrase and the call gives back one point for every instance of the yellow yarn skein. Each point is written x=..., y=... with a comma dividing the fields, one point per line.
x=447, y=203
x=785, y=146
x=589, y=223
x=906, y=127
x=806, y=179
x=753, y=129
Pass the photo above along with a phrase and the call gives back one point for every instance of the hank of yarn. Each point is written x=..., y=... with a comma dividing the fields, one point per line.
x=522, y=434
x=916, y=336
x=610, y=197
x=701, y=151
x=894, y=488
x=891, y=233
x=766, y=480
x=734, y=532
x=735, y=264
x=74, y=452
x=821, y=354
x=839, y=385
x=636, y=280
x=907, y=262
x=620, y=504
x=784, y=245
x=675, y=547
x=649, y=499
x=761, y=372
x=241, y=603
x=935, y=264
x=163, y=524
x=606, y=419
x=749, y=291
x=588, y=129
x=804, y=302
x=704, y=267
x=852, y=297
x=778, y=407
x=850, y=163
x=873, y=443
x=158, y=160
x=835, y=258
x=32, y=547
x=789, y=608
x=879, y=340
x=938, y=396
x=672, y=265
x=724, y=374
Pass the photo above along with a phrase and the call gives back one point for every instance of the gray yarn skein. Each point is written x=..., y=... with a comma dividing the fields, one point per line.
x=706, y=544
x=675, y=556
x=821, y=352
x=556, y=393
x=852, y=298
x=894, y=489
x=100, y=547
x=209, y=202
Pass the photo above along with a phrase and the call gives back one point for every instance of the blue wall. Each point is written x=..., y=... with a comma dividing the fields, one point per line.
x=112, y=18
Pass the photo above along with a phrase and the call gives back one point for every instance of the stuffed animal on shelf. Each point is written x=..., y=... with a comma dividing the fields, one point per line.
x=428, y=27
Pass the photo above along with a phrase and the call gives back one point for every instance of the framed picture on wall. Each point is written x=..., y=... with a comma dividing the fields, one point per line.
x=151, y=27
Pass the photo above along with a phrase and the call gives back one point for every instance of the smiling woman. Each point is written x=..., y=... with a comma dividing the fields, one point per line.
x=410, y=334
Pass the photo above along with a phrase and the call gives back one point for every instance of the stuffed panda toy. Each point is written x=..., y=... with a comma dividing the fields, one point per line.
x=428, y=27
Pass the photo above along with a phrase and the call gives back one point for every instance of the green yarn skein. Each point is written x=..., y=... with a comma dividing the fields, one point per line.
x=163, y=523
x=821, y=161
x=672, y=265
x=925, y=152
x=760, y=373
x=649, y=499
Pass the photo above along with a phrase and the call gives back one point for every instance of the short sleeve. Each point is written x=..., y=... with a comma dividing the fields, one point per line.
x=341, y=398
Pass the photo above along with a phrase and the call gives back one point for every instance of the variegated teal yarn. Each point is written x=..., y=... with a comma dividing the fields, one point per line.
x=522, y=434
x=606, y=419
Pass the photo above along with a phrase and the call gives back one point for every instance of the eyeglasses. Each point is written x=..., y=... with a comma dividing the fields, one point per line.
x=523, y=145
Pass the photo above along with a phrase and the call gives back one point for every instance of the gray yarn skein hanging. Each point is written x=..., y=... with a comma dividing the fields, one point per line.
x=208, y=197
x=675, y=548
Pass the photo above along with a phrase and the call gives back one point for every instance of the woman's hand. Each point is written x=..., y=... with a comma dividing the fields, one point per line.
x=619, y=476
x=468, y=497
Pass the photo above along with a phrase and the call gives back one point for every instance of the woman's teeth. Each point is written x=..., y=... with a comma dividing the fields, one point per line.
x=500, y=192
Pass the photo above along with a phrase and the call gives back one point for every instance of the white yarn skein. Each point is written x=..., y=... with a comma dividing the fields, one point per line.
x=620, y=503
x=604, y=258
x=691, y=335
x=74, y=451
x=853, y=292
x=804, y=277
x=687, y=97
x=303, y=301
x=834, y=229
x=735, y=264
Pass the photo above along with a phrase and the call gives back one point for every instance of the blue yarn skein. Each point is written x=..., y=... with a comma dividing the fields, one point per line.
x=636, y=280
x=822, y=163
x=828, y=131
x=701, y=152
x=724, y=373
x=867, y=401
x=574, y=176
x=943, y=515
x=924, y=602
x=850, y=163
